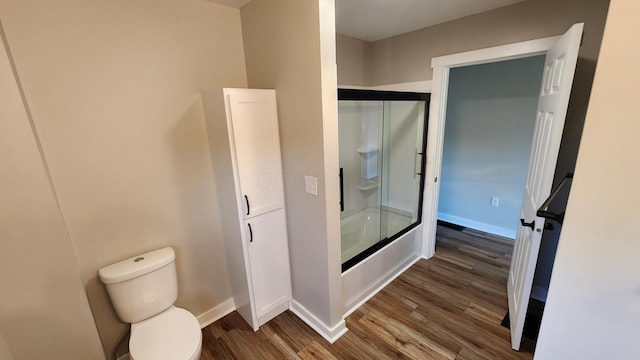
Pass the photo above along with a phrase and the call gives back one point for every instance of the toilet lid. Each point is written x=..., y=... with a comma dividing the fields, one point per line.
x=173, y=334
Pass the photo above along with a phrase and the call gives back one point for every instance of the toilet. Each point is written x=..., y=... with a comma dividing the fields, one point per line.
x=143, y=290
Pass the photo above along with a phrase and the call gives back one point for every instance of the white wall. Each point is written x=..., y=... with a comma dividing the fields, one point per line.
x=488, y=132
x=593, y=306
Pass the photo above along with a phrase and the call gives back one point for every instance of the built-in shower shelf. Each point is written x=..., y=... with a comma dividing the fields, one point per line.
x=368, y=185
x=367, y=151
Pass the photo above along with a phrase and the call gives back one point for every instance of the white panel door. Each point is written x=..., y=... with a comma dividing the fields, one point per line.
x=269, y=262
x=254, y=122
x=558, y=73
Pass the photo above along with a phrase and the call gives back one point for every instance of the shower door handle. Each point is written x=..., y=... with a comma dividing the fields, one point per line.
x=341, y=190
x=415, y=164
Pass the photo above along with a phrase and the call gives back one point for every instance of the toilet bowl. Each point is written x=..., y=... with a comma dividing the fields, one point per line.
x=143, y=290
x=172, y=334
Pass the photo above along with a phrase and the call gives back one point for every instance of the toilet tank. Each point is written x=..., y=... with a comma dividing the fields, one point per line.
x=142, y=286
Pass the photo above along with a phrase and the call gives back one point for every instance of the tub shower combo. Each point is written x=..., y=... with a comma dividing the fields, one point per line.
x=382, y=138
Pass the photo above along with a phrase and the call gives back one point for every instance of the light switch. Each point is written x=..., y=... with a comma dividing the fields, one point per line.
x=495, y=201
x=311, y=185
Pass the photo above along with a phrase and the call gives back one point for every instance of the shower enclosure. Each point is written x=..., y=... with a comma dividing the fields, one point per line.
x=382, y=138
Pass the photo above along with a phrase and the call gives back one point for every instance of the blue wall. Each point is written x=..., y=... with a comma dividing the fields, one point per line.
x=489, y=128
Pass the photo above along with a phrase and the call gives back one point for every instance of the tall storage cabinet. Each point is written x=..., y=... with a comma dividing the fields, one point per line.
x=242, y=125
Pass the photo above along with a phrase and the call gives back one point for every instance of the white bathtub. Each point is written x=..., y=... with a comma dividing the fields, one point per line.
x=362, y=229
x=359, y=231
x=369, y=276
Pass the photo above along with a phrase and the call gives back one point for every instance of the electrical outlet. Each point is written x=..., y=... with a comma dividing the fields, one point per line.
x=311, y=185
x=495, y=201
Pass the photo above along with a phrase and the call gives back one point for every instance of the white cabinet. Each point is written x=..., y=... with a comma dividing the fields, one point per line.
x=257, y=149
x=242, y=125
x=269, y=263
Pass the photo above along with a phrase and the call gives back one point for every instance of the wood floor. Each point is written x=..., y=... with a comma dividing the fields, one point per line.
x=447, y=307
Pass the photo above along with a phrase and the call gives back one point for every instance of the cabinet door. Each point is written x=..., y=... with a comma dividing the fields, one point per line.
x=254, y=122
x=269, y=263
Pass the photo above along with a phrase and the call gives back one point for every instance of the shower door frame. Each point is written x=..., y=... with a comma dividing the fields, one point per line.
x=381, y=95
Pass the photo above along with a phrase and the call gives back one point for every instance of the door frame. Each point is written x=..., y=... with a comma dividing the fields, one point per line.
x=437, y=117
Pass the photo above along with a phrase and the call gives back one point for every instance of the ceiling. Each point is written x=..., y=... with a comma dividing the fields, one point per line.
x=373, y=20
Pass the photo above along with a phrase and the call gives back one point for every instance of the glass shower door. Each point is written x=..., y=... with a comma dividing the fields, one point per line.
x=382, y=142
x=401, y=165
x=360, y=138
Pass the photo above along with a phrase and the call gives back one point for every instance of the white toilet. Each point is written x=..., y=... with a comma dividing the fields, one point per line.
x=143, y=289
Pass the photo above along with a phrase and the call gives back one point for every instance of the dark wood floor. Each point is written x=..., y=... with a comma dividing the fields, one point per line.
x=447, y=307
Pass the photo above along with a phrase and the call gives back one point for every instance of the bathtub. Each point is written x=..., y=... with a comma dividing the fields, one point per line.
x=359, y=231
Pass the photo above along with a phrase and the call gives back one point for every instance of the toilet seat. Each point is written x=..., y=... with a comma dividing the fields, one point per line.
x=173, y=334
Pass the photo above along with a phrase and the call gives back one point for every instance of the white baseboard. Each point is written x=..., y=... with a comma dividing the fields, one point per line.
x=331, y=334
x=216, y=313
x=477, y=225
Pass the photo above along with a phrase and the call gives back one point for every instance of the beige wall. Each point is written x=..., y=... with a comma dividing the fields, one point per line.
x=114, y=89
x=354, y=61
x=283, y=51
x=407, y=57
x=44, y=312
x=5, y=353
x=593, y=308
